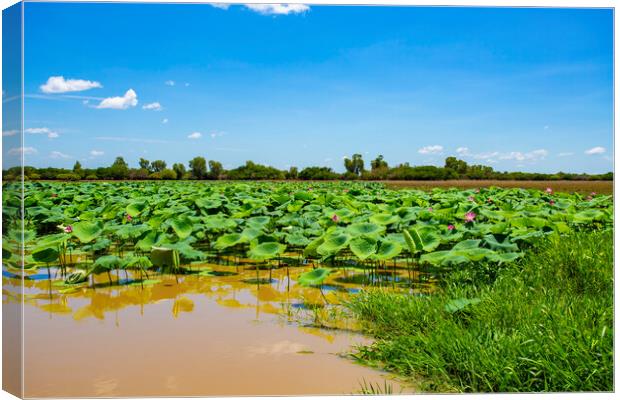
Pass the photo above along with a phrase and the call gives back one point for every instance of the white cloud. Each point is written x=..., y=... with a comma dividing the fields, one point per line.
x=194, y=135
x=566, y=154
x=152, y=106
x=434, y=149
x=529, y=156
x=58, y=84
x=186, y=84
x=96, y=153
x=164, y=121
x=493, y=156
x=595, y=150
x=12, y=132
x=129, y=99
x=462, y=151
x=25, y=150
x=44, y=131
x=278, y=8
x=215, y=134
x=223, y=6
x=546, y=127
x=169, y=83
x=57, y=154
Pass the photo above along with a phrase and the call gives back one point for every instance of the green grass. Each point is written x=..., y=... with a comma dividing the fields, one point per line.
x=543, y=324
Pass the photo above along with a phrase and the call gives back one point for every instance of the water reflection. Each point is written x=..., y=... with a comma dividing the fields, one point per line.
x=274, y=292
x=104, y=336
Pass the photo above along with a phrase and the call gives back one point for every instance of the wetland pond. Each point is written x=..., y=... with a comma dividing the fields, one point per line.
x=214, y=330
x=239, y=288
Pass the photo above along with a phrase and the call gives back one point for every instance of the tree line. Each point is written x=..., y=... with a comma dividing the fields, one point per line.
x=355, y=168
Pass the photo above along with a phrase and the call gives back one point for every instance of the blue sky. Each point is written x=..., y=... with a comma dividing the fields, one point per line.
x=517, y=89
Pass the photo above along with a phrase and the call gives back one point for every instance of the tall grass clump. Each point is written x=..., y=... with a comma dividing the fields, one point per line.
x=543, y=324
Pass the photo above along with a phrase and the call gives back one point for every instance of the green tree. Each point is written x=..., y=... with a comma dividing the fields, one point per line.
x=378, y=163
x=179, y=169
x=168, y=174
x=119, y=169
x=354, y=165
x=198, y=166
x=457, y=166
x=145, y=164
x=77, y=167
x=158, y=165
x=215, y=169
x=292, y=173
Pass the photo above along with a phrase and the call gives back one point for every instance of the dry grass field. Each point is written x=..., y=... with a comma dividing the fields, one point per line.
x=586, y=187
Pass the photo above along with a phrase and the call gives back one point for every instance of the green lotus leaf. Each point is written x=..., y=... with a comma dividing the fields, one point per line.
x=311, y=248
x=504, y=257
x=208, y=204
x=305, y=196
x=587, y=216
x=87, y=231
x=363, y=246
x=186, y=251
x=467, y=244
x=388, y=250
x=257, y=222
x=76, y=277
x=250, y=234
x=140, y=262
x=333, y=244
x=164, y=257
x=365, y=228
x=458, y=257
x=106, y=263
x=54, y=240
x=297, y=239
x=506, y=245
x=315, y=277
x=228, y=240
x=295, y=206
x=147, y=242
x=182, y=226
x=134, y=209
x=473, y=254
x=426, y=237
x=384, y=219
x=46, y=255
x=435, y=258
x=266, y=251
x=129, y=231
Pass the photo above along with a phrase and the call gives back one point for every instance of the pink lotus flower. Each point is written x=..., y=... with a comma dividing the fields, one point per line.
x=477, y=190
x=471, y=198
x=549, y=190
x=335, y=218
x=470, y=216
x=128, y=217
x=430, y=209
x=68, y=229
x=346, y=190
x=450, y=227
x=593, y=194
x=551, y=202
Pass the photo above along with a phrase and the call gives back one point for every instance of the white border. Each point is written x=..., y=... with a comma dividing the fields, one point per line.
x=475, y=3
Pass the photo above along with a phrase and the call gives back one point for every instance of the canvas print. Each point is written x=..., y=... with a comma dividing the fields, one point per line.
x=297, y=199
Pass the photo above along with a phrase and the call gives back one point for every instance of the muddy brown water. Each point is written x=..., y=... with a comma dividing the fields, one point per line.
x=201, y=336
